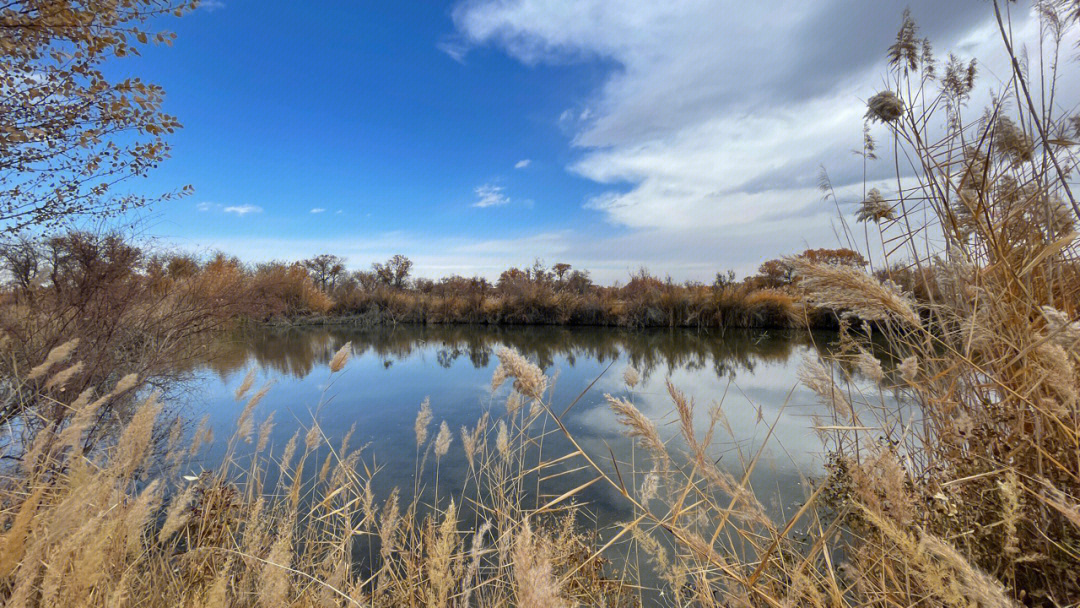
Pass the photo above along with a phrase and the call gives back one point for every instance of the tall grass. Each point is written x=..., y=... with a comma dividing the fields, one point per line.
x=297, y=524
x=976, y=498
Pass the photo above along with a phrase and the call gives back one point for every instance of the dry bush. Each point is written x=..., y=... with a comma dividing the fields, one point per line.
x=125, y=312
x=767, y=308
x=285, y=290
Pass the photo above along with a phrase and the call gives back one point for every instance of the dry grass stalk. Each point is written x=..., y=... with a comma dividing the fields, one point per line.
x=534, y=582
x=846, y=288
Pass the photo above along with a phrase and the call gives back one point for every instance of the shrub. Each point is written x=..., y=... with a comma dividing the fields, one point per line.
x=101, y=293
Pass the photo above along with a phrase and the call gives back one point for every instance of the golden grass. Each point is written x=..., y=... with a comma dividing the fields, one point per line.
x=117, y=525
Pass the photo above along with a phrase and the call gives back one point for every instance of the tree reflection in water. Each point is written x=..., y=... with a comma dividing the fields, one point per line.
x=297, y=351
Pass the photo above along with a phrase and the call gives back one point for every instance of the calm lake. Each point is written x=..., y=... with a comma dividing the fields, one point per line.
x=751, y=374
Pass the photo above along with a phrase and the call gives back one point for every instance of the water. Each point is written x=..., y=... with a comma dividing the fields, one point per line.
x=752, y=374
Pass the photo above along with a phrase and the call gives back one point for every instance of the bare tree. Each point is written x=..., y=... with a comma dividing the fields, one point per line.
x=21, y=259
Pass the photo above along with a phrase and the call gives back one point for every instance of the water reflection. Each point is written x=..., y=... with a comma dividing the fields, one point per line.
x=751, y=375
x=297, y=352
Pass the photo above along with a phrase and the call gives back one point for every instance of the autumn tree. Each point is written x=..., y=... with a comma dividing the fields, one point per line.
x=82, y=264
x=68, y=133
x=182, y=266
x=510, y=278
x=835, y=257
x=367, y=281
x=325, y=269
x=561, y=269
x=539, y=273
x=775, y=273
x=394, y=272
x=724, y=279
x=578, y=282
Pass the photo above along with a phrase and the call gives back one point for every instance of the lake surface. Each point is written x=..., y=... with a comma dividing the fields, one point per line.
x=752, y=374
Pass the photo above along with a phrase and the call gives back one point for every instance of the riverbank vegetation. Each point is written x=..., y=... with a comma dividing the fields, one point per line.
x=132, y=309
x=320, y=290
x=967, y=494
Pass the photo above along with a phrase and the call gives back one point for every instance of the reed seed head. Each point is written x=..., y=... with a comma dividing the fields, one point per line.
x=502, y=440
x=534, y=579
x=875, y=208
x=884, y=107
x=341, y=357
x=423, y=419
x=442, y=440
x=529, y=380
x=855, y=291
x=56, y=355
x=638, y=425
x=245, y=386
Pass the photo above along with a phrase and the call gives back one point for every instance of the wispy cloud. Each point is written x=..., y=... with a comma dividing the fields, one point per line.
x=318, y=210
x=211, y=5
x=205, y=206
x=521, y=164
x=243, y=209
x=490, y=195
x=455, y=48
x=690, y=254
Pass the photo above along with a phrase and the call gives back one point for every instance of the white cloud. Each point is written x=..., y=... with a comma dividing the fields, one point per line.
x=318, y=210
x=243, y=209
x=490, y=195
x=719, y=114
x=205, y=206
x=211, y=5
x=521, y=164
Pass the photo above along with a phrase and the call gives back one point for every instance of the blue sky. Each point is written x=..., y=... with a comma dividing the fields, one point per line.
x=356, y=110
x=477, y=135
